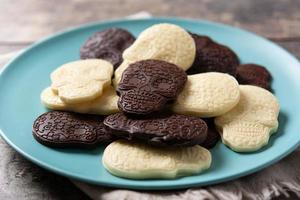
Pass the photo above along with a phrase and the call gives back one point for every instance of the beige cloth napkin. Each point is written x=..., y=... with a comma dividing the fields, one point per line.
x=277, y=179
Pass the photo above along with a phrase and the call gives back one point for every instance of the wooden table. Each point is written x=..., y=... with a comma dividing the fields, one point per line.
x=24, y=21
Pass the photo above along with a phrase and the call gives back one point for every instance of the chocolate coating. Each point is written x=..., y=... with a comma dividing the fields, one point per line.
x=148, y=85
x=212, y=134
x=67, y=129
x=160, y=130
x=201, y=41
x=108, y=45
x=252, y=74
x=212, y=57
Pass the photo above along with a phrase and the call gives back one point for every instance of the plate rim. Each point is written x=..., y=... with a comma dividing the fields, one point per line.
x=138, y=186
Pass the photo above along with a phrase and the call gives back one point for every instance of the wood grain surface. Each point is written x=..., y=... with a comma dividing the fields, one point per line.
x=29, y=20
x=24, y=21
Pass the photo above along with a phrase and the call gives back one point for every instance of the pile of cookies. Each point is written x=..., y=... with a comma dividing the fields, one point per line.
x=159, y=101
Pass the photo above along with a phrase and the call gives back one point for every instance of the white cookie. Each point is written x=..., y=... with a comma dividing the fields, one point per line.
x=106, y=104
x=208, y=95
x=167, y=42
x=140, y=161
x=52, y=100
x=82, y=80
x=248, y=126
x=118, y=73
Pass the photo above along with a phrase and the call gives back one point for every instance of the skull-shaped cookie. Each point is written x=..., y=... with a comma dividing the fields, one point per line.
x=108, y=44
x=82, y=80
x=105, y=104
x=166, y=42
x=162, y=129
x=207, y=95
x=147, y=86
x=67, y=129
x=140, y=161
x=248, y=126
x=213, y=57
x=252, y=74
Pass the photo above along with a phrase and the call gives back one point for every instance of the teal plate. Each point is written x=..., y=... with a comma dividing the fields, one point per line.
x=23, y=79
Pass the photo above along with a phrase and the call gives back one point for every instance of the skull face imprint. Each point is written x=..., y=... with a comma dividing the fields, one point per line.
x=248, y=126
x=166, y=42
x=67, y=129
x=161, y=129
x=139, y=161
x=146, y=86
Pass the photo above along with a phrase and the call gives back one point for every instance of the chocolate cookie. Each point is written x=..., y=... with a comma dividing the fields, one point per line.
x=212, y=134
x=201, y=41
x=108, y=45
x=66, y=129
x=147, y=86
x=160, y=130
x=252, y=74
x=212, y=57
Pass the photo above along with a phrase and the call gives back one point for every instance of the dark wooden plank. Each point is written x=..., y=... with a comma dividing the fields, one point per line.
x=29, y=20
x=8, y=48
